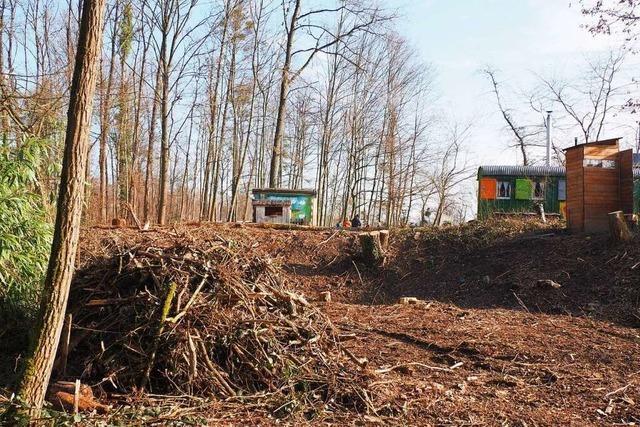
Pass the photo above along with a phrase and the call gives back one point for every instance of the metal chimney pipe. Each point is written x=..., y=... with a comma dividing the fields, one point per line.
x=549, y=137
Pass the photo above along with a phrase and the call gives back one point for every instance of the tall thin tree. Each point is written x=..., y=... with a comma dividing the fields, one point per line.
x=70, y=199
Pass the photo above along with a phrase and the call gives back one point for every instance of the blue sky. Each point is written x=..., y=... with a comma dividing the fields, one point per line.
x=516, y=37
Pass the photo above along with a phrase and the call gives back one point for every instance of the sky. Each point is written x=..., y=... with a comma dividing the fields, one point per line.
x=519, y=38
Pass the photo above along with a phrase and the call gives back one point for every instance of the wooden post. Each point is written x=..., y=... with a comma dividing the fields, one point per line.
x=76, y=397
x=541, y=211
x=372, y=252
x=618, y=227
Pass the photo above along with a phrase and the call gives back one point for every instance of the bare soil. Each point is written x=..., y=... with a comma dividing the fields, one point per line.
x=490, y=342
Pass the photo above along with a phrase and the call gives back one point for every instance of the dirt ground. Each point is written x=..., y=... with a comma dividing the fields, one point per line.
x=491, y=342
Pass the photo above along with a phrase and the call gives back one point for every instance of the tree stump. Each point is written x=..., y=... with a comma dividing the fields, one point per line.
x=118, y=222
x=618, y=227
x=372, y=252
x=384, y=239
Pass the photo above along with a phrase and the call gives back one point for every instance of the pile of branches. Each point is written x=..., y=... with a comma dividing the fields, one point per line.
x=206, y=319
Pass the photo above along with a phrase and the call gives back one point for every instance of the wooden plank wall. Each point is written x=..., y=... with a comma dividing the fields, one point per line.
x=575, y=189
x=608, y=151
x=625, y=162
x=601, y=196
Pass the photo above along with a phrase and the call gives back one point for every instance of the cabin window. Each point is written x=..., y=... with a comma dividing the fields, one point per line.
x=273, y=210
x=599, y=163
x=537, y=189
x=562, y=189
x=503, y=190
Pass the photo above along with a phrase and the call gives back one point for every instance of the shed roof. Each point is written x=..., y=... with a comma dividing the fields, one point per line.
x=307, y=191
x=510, y=170
x=268, y=202
x=559, y=171
x=611, y=141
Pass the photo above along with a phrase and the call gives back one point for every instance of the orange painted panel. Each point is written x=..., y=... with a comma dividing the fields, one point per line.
x=563, y=209
x=488, y=188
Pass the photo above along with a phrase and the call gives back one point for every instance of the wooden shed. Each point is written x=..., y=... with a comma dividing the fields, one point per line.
x=599, y=181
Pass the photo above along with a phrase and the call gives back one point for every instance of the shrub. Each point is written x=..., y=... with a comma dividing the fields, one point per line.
x=25, y=231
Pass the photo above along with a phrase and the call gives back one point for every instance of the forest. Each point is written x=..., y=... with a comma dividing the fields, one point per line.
x=199, y=102
x=138, y=286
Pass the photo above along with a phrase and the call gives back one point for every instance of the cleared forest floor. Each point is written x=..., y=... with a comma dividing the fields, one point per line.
x=492, y=342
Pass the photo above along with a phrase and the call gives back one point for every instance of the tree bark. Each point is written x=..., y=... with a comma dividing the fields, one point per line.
x=70, y=199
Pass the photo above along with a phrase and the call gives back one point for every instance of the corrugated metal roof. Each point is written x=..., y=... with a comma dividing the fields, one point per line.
x=493, y=170
x=306, y=191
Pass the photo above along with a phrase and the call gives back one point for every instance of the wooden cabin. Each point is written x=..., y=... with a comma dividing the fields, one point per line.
x=284, y=206
x=603, y=179
x=599, y=180
x=519, y=189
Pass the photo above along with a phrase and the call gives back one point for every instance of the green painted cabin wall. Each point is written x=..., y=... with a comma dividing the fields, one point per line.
x=551, y=202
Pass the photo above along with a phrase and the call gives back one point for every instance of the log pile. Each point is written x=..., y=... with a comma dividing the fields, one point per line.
x=205, y=319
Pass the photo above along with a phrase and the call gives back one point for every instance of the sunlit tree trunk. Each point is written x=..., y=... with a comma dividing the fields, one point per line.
x=70, y=199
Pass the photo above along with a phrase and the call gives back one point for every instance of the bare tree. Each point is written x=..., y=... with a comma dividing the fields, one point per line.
x=324, y=39
x=591, y=100
x=452, y=170
x=521, y=134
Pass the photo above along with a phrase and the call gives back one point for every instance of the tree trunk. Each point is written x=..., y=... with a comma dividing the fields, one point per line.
x=164, y=142
x=152, y=133
x=70, y=199
x=105, y=106
x=276, y=155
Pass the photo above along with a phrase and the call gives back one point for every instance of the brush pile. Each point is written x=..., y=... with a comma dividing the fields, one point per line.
x=205, y=318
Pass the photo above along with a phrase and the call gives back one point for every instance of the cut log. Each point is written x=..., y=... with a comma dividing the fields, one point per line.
x=69, y=396
x=372, y=252
x=325, y=296
x=618, y=228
